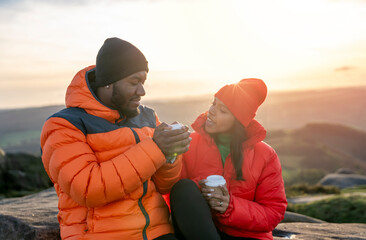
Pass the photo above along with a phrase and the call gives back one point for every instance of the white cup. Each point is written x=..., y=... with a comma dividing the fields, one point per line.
x=176, y=126
x=214, y=182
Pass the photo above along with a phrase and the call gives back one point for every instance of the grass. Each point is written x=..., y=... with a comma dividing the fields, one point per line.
x=291, y=161
x=338, y=209
x=310, y=176
x=17, y=138
x=305, y=189
x=360, y=188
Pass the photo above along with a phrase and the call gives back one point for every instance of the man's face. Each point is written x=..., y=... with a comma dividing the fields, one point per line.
x=127, y=94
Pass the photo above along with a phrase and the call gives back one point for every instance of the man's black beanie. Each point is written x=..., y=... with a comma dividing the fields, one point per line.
x=118, y=59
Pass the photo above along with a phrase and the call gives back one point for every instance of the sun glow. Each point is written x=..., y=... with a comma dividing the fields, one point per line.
x=193, y=47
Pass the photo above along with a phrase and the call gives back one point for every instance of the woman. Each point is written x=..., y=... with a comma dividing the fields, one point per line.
x=228, y=141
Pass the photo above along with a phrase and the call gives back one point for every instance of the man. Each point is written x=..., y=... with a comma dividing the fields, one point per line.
x=107, y=155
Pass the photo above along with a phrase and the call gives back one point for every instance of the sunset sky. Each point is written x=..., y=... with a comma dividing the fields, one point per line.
x=193, y=46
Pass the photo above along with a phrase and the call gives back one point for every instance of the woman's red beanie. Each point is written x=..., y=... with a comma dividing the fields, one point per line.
x=243, y=98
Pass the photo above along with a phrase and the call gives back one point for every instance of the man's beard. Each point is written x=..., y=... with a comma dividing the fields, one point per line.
x=119, y=100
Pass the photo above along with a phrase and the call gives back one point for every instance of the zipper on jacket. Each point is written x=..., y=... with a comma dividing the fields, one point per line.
x=89, y=221
x=143, y=210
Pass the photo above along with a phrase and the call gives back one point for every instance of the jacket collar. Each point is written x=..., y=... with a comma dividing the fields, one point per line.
x=255, y=131
x=79, y=94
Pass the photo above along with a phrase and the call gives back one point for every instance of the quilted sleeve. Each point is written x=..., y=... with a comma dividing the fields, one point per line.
x=267, y=210
x=71, y=163
x=167, y=176
x=190, y=161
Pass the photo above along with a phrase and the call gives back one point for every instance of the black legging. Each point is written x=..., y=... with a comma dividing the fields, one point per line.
x=191, y=214
x=169, y=236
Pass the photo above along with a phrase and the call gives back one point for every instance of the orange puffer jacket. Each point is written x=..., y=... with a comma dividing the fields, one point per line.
x=258, y=203
x=108, y=174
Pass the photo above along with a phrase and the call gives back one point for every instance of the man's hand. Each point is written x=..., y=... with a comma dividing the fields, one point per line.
x=172, y=142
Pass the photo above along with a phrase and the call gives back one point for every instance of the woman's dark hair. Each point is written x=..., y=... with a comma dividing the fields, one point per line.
x=239, y=135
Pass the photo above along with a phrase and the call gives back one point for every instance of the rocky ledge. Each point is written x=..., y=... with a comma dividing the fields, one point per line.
x=34, y=217
x=30, y=217
x=320, y=231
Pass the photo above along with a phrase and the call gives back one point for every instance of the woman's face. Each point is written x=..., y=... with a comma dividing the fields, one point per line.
x=219, y=118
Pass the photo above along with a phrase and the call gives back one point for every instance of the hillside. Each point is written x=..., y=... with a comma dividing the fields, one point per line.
x=308, y=153
x=20, y=128
x=283, y=110
x=289, y=110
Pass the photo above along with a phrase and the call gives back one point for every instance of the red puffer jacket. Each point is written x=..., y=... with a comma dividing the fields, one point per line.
x=257, y=204
x=108, y=174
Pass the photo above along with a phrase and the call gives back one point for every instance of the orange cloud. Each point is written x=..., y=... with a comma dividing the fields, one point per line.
x=344, y=68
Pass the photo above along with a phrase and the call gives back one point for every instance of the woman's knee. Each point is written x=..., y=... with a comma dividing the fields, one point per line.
x=184, y=187
x=184, y=184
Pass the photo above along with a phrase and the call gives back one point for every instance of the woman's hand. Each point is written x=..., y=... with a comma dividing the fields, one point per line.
x=216, y=201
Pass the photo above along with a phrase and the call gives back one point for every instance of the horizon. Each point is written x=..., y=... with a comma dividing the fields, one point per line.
x=203, y=95
x=193, y=47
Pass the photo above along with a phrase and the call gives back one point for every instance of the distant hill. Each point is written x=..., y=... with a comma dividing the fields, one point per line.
x=283, y=110
x=309, y=153
x=20, y=128
x=349, y=141
x=26, y=119
x=289, y=110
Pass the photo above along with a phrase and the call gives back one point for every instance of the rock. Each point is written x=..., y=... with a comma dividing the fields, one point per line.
x=30, y=217
x=2, y=155
x=345, y=171
x=343, y=180
x=22, y=174
x=34, y=217
x=295, y=217
x=2, y=161
x=2, y=170
x=320, y=231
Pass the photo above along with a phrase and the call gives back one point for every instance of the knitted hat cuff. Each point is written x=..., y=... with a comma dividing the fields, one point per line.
x=243, y=98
